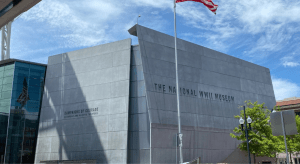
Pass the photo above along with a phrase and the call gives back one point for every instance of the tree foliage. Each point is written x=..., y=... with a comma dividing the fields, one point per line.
x=261, y=140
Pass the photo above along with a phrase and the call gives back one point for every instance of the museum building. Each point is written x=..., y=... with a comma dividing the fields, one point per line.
x=116, y=102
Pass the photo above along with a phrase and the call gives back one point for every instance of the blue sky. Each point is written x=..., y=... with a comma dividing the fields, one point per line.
x=264, y=32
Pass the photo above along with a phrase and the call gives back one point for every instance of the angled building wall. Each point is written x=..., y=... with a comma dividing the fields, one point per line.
x=139, y=123
x=213, y=86
x=116, y=103
x=84, y=113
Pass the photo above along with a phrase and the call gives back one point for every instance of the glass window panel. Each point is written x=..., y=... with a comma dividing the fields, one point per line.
x=29, y=104
x=35, y=89
x=1, y=69
x=32, y=122
x=15, y=104
x=35, y=81
x=8, y=73
x=1, y=73
x=3, y=119
x=34, y=96
x=8, y=80
x=4, y=109
x=19, y=71
x=24, y=65
x=6, y=87
x=16, y=94
x=37, y=70
x=37, y=67
x=20, y=79
x=17, y=87
x=8, y=67
x=4, y=102
x=32, y=110
x=36, y=73
x=36, y=77
x=6, y=95
x=16, y=114
x=33, y=104
x=15, y=144
x=1, y=80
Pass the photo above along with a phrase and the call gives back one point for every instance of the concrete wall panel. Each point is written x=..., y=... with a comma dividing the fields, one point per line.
x=119, y=105
x=151, y=99
x=138, y=105
x=136, y=58
x=86, y=105
x=97, y=50
x=142, y=138
x=137, y=89
x=200, y=69
x=138, y=122
x=136, y=73
x=167, y=117
x=54, y=71
x=161, y=68
x=145, y=156
x=212, y=78
x=154, y=117
x=55, y=59
x=189, y=47
x=44, y=145
x=117, y=122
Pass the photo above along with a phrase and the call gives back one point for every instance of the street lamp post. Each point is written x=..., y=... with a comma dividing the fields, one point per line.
x=248, y=120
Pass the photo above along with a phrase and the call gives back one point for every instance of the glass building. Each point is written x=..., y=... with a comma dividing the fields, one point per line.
x=21, y=88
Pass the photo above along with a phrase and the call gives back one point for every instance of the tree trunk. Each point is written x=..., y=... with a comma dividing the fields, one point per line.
x=275, y=158
x=254, y=158
x=291, y=158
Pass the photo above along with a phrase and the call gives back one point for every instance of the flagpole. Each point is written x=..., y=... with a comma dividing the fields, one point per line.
x=177, y=90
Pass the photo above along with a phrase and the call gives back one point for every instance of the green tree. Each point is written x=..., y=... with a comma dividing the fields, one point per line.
x=262, y=142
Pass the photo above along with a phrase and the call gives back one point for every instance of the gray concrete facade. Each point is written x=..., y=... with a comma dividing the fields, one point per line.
x=84, y=113
x=213, y=86
x=116, y=103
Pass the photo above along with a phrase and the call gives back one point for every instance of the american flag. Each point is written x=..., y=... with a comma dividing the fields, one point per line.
x=23, y=97
x=208, y=3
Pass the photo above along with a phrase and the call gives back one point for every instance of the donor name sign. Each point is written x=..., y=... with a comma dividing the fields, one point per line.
x=81, y=112
x=192, y=92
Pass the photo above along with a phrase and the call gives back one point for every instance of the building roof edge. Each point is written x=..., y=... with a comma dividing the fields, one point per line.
x=18, y=60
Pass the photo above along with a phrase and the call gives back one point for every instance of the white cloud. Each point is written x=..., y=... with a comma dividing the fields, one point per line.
x=290, y=61
x=155, y=12
x=261, y=26
x=234, y=18
x=269, y=23
x=257, y=15
x=81, y=26
x=273, y=40
x=283, y=88
x=164, y=4
x=290, y=64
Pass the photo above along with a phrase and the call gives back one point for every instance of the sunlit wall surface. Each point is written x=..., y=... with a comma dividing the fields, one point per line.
x=22, y=88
